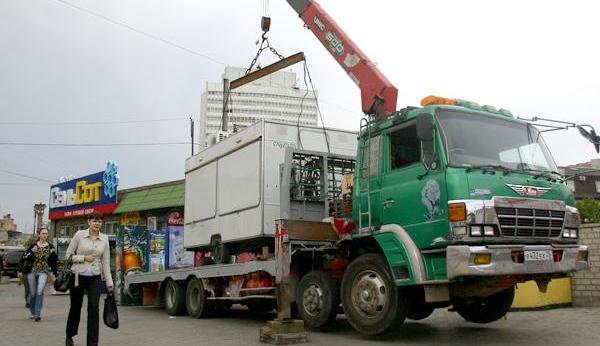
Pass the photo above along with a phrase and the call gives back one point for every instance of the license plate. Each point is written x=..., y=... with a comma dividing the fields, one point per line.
x=538, y=255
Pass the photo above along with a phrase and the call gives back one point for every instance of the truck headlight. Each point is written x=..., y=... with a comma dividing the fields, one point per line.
x=459, y=230
x=570, y=233
x=483, y=230
x=476, y=231
x=489, y=231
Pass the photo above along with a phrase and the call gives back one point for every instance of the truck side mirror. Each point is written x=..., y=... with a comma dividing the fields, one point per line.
x=591, y=136
x=425, y=127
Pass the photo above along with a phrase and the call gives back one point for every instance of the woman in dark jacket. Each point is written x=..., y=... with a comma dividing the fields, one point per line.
x=41, y=258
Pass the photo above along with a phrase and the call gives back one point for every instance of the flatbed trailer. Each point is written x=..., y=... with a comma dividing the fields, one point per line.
x=261, y=284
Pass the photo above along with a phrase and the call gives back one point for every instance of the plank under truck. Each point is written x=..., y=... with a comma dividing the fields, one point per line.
x=451, y=205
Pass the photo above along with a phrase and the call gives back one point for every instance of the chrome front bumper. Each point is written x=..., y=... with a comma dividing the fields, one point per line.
x=460, y=260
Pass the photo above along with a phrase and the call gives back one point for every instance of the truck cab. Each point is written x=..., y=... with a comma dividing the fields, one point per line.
x=457, y=182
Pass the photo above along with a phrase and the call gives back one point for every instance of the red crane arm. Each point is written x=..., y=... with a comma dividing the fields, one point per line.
x=378, y=95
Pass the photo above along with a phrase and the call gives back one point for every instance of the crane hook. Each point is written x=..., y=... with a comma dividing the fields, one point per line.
x=265, y=24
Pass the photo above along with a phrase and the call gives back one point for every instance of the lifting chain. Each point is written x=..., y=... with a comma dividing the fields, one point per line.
x=264, y=44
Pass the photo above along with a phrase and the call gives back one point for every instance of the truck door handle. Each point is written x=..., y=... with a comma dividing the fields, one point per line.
x=388, y=202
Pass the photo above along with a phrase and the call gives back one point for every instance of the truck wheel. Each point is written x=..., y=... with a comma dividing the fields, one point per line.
x=196, y=303
x=317, y=299
x=488, y=309
x=419, y=311
x=220, y=252
x=174, y=298
x=371, y=301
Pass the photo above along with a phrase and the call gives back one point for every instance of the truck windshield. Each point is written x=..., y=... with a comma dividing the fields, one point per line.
x=477, y=140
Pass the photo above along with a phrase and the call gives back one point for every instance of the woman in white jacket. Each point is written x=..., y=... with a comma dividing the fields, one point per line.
x=90, y=252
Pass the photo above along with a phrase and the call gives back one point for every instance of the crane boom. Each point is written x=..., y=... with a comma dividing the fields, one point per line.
x=378, y=95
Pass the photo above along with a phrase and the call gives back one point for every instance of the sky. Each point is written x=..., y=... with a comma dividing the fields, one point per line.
x=133, y=72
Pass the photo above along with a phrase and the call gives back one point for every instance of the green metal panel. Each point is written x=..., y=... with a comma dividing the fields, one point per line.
x=395, y=253
x=435, y=265
x=152, y=198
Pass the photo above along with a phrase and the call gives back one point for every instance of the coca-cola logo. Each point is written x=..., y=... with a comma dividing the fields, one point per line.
x=175, y=219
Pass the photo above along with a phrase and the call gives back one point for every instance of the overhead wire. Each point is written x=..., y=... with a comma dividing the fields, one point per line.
x=23, y=184
x=94, y=144
x=266, y=10
x=26, y=176
x=108, y=122
x=307, y=72
x=299, y=138
x=154, y=37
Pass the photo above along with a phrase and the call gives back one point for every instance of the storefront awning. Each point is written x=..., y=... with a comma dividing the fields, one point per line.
x=151, y=198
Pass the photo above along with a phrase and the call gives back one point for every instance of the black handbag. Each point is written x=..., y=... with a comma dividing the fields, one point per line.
x=26, y=262
x=64, y=277
x=110, y=315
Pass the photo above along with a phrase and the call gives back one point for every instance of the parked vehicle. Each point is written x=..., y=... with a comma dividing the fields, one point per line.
x=11, y=262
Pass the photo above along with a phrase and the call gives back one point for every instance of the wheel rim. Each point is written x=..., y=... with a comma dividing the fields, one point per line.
x=170, y=295
x=312, y=300
x=369, y=294
x=193, y=298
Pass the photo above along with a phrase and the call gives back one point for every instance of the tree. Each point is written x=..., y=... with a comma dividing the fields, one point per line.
x=30, y=240
x=589, y=209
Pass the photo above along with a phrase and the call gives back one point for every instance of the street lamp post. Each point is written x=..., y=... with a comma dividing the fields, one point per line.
x=38, y=210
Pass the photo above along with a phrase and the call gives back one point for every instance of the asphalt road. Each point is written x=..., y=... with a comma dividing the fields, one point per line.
x=152, y=326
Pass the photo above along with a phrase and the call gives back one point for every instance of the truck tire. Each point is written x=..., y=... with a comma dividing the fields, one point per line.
x=317, y=299
x=174, y=298
x=488, y=309
x=371, y=301
x=419, y=311
x=195, y=299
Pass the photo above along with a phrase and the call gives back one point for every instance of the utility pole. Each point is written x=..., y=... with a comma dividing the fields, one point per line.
x=192, y=133
x=226, y=91
x=38, y=219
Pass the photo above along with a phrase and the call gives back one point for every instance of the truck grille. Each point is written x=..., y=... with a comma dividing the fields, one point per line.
x=522, y=222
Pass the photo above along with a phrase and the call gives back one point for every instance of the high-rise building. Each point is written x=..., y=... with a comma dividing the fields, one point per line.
x=274, y=97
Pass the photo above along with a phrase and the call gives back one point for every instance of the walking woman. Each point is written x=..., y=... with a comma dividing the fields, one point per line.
x=42, y=258
x=90, y=253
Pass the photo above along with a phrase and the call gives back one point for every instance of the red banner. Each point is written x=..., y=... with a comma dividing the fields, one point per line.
x=82, y=212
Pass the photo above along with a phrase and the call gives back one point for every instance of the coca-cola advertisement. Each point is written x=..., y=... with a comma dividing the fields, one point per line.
x=175, y=219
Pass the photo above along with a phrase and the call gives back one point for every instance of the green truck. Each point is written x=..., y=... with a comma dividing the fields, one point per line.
x=454, y=204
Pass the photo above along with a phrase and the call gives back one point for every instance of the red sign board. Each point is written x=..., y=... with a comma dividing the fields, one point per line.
x=83, y=212
x=175, y=219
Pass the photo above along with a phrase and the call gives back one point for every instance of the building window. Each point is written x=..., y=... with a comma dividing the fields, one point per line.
x=597, y=186
x=110, y=228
